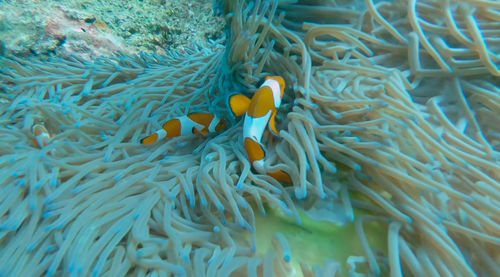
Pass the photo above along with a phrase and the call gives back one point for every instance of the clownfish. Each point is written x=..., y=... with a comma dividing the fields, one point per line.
x=194, y=123
x=260, y=111
x=42, y=136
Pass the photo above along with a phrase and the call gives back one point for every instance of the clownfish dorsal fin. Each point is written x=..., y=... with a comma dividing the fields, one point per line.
x=272, y=123
x=239, y=104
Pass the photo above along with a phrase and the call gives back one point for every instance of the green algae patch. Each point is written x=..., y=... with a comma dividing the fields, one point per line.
x=313, y=242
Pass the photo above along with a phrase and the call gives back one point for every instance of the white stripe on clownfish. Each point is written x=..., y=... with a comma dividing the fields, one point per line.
x=194, y=123
x=260, y=111
x=212, y=127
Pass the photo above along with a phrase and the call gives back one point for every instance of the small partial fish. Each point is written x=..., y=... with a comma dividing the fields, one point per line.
x=42, y=136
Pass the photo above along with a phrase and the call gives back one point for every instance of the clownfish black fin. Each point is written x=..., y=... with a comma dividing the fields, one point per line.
x=239, y=104
x=272, y=124
x=202, y=132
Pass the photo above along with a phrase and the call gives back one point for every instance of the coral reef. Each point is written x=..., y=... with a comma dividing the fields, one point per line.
x=95, y=28
x=386, y=127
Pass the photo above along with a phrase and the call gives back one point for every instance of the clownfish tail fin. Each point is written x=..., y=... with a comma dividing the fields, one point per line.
x=150, y=139
x=239, y=104
x=281, y=176
x=153, y=138
x=256, y=155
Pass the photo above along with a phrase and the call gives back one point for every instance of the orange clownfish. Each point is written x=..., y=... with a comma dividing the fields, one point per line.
x=259, y=112
x=194, y=123
x=41, y=134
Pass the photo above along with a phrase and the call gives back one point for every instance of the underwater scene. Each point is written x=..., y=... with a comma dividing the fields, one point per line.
x=322, y=138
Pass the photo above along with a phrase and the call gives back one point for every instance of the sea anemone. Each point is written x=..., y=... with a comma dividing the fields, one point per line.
x=386, y=128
